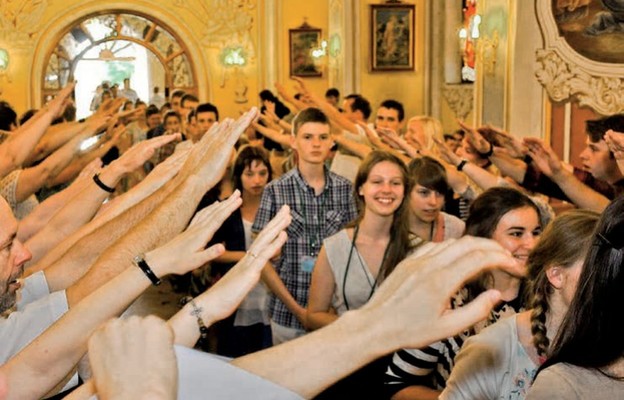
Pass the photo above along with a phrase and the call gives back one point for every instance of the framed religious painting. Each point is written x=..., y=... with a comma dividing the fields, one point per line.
x=392, y=37
x=302, y=42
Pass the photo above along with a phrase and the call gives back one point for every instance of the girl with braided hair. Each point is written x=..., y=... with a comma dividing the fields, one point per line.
x=501, y=361
x=586, y=360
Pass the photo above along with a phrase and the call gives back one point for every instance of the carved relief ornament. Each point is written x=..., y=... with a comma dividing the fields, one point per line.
x=567, y=75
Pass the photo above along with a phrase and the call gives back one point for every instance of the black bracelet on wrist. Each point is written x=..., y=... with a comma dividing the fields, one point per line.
x=102, y=185
x=489, y=152
x=461, y=165
x=140, y=262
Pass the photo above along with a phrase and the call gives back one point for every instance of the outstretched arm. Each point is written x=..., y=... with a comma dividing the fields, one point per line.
x=37, y=368
x=389, y=321
x=17, y=147
x=548, y=162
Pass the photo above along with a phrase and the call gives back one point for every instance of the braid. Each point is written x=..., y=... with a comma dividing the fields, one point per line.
x=540, y=307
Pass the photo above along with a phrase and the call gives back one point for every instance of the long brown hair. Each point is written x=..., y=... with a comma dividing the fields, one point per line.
x=399, y=245
x=564, y=242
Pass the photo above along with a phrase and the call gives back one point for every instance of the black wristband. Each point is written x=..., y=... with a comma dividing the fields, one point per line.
x=527, y=159
x=140, y=262
x=489, y=152
x=461, y=165
x=102, y=185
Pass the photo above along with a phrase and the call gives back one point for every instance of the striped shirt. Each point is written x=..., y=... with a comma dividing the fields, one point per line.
x=314, y=218
x=431, y=366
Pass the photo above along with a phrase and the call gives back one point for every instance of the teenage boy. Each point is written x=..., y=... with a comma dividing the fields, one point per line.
x=321, y=203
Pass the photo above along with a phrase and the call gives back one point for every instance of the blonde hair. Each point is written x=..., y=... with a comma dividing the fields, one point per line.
x=432, y=127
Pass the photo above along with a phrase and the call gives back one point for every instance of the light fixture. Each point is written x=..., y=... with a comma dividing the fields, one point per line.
x=320, y=51
x=233, y=57
x=4, y=60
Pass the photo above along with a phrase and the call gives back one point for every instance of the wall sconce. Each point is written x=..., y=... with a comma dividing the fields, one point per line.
x=234, y=57
x=321, y=51
x=4, y=60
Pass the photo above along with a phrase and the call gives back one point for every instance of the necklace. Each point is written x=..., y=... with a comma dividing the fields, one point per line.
x=379, y=273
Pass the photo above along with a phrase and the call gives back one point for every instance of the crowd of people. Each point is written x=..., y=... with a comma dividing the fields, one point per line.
x=326, y=249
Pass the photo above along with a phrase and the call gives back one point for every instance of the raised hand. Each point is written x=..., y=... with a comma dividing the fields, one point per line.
x=142, y=151
x=186, y=251
x=133, y=358
x=224, y=297
x=57, y=105
x=543, y=156
x=210, y=156
x=514, y=145
x=615, y=141
x=430, y=280
x=445, y=153
x=475, y=139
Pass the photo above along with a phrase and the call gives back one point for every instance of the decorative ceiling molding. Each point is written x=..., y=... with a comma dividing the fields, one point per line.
x=567, y=75
x=20, y=21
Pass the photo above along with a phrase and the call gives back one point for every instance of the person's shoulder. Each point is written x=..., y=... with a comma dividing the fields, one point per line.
x=338, y=180
x=501, y=332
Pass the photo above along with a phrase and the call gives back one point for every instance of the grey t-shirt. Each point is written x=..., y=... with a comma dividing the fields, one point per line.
x=566, y=381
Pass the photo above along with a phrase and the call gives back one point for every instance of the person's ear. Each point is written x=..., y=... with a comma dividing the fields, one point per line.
x=555, y=276
x=293, y=142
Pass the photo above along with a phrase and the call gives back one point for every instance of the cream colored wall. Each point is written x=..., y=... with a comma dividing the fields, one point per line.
x=407, y=87
x=316, y=13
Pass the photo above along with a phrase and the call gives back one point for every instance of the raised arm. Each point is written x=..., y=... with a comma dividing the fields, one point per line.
x=389, y=321
x=83, y=206
x=202, y=170
x=332, y=112
x=16, y=148
x=222, y=299
x=37, y=368
x=579, y=193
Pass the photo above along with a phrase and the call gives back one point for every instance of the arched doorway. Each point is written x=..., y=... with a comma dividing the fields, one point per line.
x=117, y=39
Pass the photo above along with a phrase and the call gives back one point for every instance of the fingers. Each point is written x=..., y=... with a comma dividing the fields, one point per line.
x=477, y=310
x=207, y=255
x=216, y=213
x=271, y=230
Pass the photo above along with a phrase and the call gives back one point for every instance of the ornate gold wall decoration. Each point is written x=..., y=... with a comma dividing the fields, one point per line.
x=19, y=22
x=226, y=22
x=566, y=74
x=460, y=99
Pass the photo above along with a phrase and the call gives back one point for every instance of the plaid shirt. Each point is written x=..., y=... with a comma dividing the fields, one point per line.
x=314, y=218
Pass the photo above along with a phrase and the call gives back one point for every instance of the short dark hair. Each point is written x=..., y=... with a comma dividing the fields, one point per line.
x=428, y=172
x=178, y=93
x=27, y=115
x=171, y=113
x=8, y=116
x=245, y=157
x=151, y=110
x=488, y=209
x=188, y=97
x=332, y=92
x=394, y=105
x=266, y=94
x=208, y=107
x=360, y=104
x=596, y=128
x=310, y=114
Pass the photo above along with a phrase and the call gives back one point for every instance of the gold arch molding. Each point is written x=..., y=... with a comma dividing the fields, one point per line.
x=187, y=50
